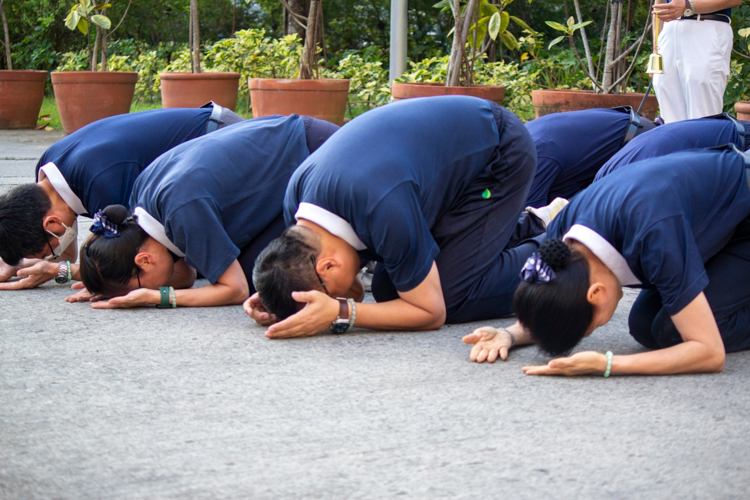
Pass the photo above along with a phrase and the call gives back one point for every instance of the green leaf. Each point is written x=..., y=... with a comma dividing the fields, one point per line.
x=102, y=6
x=83, y=26
x=504, y=21
x=101, y=21
x=556, y=26
x=522, y=24
x=509, y=40
x=72, y=20
x=580, y=25
x=555, y=41
x=494, y=25
x=744, y=32
x=571, y=22
x=443, y=4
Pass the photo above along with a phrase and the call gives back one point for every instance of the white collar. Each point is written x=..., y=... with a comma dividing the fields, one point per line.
x=51, y=172
x=155, y=229
x=605, y=251
x=330, y=222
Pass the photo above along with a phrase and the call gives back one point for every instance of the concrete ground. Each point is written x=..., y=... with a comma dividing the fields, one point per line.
x=197, y=403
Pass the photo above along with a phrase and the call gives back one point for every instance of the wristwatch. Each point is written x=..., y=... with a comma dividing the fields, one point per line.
x=688, y=9
x=342, y=323
x=63, y=275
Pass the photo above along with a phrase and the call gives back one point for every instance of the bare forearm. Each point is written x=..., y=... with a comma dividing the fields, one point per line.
x=708, y=6
x=209, y=296
x=687, y=357
x=522, y=335
x=396, y=315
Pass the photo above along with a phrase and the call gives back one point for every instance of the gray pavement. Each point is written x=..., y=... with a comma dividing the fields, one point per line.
x=196, y=403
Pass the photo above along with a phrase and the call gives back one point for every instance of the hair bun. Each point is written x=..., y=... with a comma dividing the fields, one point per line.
x=116, y=214
x=555, y=253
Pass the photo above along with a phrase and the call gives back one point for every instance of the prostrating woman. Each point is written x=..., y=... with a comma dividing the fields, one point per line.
x=678, y=227
x=208, y=206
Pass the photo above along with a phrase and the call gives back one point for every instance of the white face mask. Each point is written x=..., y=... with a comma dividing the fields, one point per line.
x=63, y=242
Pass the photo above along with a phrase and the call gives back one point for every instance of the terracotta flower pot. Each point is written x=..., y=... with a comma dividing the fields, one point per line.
x=742, y=109
x=556, y=101
x=21, y=94
x=400, y=91
x=324, y=98
x=193, y=90
x=86, y=96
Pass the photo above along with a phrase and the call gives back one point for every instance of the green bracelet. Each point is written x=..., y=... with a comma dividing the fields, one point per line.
x=164, y=291
x=609, y=364
x=70, y=272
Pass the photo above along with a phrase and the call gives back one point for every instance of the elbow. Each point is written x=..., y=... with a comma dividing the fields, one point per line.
x=240, y=294
x=717, y=362
x=437, y=320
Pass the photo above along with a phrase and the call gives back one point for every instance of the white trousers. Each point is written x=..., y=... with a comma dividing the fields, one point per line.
x=696, y=68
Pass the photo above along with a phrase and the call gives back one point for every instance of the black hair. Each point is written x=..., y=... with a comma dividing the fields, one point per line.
x=286, y=266
x=556, y=313
x=22, y=211
x=107, y=264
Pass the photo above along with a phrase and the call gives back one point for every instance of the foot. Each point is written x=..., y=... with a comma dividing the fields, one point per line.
x=547, y=214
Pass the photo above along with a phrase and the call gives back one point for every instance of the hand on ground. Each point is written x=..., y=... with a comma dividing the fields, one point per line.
x=489, y=343
x=254, y=308
x=136, y=298
x=319, y=312
x=83, y=295
x=582, y=363
x=33, y=276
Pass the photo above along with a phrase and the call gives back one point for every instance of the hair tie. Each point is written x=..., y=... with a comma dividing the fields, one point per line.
x=104, y=227
x=536, y=271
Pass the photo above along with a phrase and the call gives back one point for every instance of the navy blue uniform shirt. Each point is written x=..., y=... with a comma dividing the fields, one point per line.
x=676, y=136
x=212, y=196
x=101, y=161
x=571, y=147
x=392, y=172
x=666, y=216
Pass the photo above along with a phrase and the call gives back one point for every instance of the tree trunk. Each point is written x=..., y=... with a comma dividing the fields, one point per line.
x=453, y=74
x=611, y=42
x=308, y=52
x=7, y=37
x=196, y=55
x=300, y=7
x=104, y=50
x=95, y=52
x=589, y=59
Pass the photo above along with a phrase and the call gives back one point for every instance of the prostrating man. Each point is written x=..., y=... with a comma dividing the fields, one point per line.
x=432, y=189
x=571, y=147
x=81, y=174
x=680, y=136
x=209, y=205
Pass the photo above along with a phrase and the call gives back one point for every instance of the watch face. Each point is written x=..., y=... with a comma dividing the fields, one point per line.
x=61, y=279
x=340, y=327
x=687, y=13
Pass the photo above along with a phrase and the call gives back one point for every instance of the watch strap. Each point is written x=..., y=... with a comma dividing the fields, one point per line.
x=343, y=309
x=164, y=291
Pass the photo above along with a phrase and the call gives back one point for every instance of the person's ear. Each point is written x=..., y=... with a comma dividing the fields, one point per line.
x=145, y=261
x=597, y=294
x=51, y=222
x=326, y=266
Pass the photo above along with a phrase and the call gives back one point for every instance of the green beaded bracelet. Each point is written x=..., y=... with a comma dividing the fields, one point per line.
x=609, y=364
x=70, y=272
x=164, y=291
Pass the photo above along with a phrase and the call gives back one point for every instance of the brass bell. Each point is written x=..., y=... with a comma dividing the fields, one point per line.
x=655, y=64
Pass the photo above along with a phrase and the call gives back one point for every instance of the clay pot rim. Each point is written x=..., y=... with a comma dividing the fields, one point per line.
x=742, y=105
x=205, y=75
x=438, y=84
x=586, y=91
x=328, y=84
x=64, y=77
x=9, y=75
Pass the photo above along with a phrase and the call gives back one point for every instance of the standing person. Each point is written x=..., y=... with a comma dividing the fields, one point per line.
x=676, y=226
x=81, y=174
x=572, y=146
x=209, y=205
x=432, y=189
x=680, y=136
x=695, y=44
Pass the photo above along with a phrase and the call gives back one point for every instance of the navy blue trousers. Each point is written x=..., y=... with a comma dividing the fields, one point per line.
x=728, y=294
x=483, y=241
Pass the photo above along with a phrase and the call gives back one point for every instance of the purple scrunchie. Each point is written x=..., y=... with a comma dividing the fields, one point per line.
x=536, y=271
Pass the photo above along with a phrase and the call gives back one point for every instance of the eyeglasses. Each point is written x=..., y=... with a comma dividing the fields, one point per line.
x=315, y=268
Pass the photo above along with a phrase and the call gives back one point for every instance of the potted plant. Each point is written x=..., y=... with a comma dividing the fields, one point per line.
x=323, y=98
x=610, y=75
x=481, y=24
x=192, y=90
x=742, y=108
x=21, y=91
x=86, y=96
